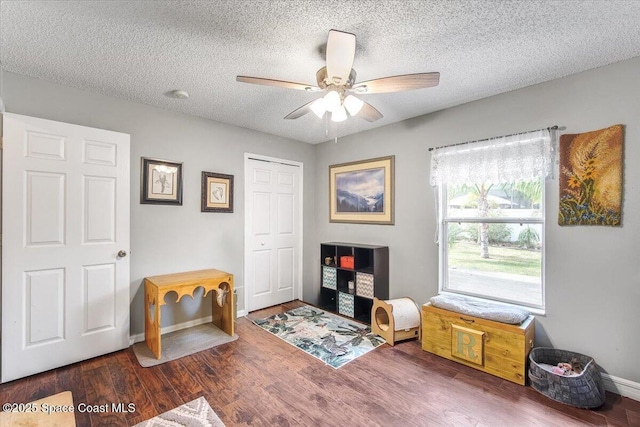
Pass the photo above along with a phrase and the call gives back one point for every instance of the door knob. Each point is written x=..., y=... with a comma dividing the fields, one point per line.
x=122, y=254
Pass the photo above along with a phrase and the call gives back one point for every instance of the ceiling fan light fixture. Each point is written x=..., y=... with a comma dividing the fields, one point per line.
x=339, y=115
x=332, y=101
x=338, y=79
x=318, y=107
x=353, y=104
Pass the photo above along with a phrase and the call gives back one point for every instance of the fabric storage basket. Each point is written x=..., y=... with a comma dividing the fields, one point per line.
x=364, y=284
x=584, y=390
x=346, y=304
x=329, y=278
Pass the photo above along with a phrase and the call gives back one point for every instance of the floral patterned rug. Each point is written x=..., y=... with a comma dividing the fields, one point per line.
x=330, y=338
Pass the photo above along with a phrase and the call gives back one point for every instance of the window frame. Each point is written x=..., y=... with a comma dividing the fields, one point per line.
x=443, y=249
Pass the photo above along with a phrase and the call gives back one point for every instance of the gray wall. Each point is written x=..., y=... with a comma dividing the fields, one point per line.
x=169, y=239
x=592, y=273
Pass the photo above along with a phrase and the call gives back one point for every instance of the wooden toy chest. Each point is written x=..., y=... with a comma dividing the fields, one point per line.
x=497, y=348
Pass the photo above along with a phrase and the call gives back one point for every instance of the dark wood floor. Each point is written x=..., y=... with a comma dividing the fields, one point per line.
x=260, y=380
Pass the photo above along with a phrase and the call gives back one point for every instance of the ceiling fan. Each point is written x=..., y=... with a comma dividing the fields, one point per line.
x=338, y=80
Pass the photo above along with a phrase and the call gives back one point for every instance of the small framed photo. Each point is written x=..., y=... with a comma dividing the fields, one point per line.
x=217, y=192
x=160, y=182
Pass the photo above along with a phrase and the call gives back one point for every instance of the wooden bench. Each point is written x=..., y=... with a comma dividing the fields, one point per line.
x=497, y=348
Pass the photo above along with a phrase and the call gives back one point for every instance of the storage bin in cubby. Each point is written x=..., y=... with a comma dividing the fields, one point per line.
x=346, y=304
x=364, y=285
x=329, y=278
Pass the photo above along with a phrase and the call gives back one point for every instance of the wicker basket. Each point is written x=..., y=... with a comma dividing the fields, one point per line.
x=585, y=390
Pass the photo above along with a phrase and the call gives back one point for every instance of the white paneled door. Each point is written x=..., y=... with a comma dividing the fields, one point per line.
x=65, y=244
x=273, y=232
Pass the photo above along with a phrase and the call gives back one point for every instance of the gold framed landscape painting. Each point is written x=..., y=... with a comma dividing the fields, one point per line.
x=591, y=177
x=217, y=192
x=362, y=191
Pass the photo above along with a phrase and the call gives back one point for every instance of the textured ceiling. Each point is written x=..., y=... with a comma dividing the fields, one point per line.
x=140, y=50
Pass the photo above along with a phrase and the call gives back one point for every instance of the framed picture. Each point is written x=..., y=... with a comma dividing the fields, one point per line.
x=160, y=182
x=217, y=192
x=362, y=192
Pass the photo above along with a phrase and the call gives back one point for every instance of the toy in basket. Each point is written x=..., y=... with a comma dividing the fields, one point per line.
x=395, y=320
x=582, y=388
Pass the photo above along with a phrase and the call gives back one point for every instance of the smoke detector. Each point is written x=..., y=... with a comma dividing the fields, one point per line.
x=179, y=94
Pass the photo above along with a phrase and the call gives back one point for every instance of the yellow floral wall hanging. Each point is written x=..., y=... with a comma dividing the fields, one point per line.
x=591, y=177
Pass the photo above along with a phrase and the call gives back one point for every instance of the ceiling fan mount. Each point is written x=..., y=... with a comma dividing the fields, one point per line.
x=323, y=80
x=338, y=80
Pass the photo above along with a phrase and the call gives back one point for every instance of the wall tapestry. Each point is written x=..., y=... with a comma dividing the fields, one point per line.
x=591, y=177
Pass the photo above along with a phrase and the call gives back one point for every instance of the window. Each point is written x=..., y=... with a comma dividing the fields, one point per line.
x=493, y=235
x=491, y=217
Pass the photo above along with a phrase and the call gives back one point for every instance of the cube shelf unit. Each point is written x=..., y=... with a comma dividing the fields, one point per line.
x=370, y=274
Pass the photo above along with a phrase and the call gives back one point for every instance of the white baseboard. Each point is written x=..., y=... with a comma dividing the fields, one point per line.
x=172, y=328
x=621, y=386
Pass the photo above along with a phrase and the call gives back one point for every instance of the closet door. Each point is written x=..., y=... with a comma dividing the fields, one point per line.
x=273, y=240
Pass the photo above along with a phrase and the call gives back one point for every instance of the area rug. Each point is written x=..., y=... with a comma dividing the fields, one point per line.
x=49, y=411
x=183, y=343
x=325, y=336
x=196, y=413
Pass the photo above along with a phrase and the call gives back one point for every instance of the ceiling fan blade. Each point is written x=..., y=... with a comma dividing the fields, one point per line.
x=300, y=111
x=277, y=83
x=369, y=113
x=341, y=49
x=398, y=83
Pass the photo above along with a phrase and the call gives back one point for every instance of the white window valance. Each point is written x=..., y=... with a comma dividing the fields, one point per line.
x=503, y=159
